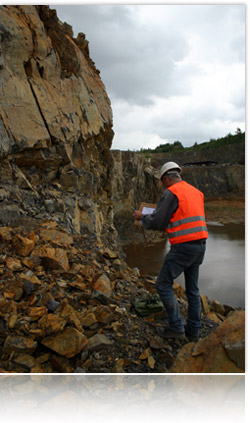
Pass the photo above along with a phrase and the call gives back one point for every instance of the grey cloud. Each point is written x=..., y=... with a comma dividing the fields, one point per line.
x=237, y=46
x=136, y=62
x=166, y=58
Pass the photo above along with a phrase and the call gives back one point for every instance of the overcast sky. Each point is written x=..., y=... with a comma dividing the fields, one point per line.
x=172, y=72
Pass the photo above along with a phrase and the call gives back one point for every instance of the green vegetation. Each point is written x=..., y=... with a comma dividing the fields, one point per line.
x=164, y=148
x=177, y=145
x=228, y=139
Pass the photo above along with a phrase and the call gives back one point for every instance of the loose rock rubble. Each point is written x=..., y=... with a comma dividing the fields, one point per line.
x=67, y=306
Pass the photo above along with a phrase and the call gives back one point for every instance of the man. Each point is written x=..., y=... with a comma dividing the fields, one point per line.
x=181, y=212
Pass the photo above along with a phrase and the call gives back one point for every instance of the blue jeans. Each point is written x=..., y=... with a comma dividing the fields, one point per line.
x=186, y=257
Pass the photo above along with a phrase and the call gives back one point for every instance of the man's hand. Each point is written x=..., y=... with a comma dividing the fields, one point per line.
x=137, y=215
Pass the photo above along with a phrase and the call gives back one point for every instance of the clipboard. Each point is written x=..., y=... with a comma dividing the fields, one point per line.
x=145, y=208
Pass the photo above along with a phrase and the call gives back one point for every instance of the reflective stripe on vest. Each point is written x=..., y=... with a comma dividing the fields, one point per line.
x=187, y=231
x=185, y=220
x=188, y=222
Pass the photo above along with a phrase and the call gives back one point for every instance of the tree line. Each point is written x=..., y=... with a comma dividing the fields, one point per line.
x=177, y=146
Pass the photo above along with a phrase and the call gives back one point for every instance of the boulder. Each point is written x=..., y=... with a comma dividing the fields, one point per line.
x=217, y=307
x=13, y=264
x=98, y=342
x=28, y=362
x=23, y=246
x=103, y=284
x=60, y=238
x=67, y=343
x=51, y=324
x=21, y=344
x=5, y=233
x=54, y=258
x=220, y=352
x=205, y=305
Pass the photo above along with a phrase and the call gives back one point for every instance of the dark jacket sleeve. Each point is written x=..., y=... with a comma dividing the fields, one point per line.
x=159, y=219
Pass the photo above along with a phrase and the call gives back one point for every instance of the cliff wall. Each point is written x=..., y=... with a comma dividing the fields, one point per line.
x=134, y=180
x=55, y=125
x=217, y=181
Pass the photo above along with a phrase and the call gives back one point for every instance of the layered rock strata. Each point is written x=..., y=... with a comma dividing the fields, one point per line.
x=55, y=124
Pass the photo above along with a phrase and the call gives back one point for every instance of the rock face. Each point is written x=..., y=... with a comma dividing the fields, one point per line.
x=134, y=181
x=52, y=91
x=217, y=181
x=55, y=123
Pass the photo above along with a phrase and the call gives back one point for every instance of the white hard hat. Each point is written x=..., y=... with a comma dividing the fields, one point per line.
x=169, y=166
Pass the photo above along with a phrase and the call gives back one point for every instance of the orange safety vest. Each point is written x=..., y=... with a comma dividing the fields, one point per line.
x=188, y=222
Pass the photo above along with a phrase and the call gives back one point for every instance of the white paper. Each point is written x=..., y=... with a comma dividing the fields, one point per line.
x=147, y=210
